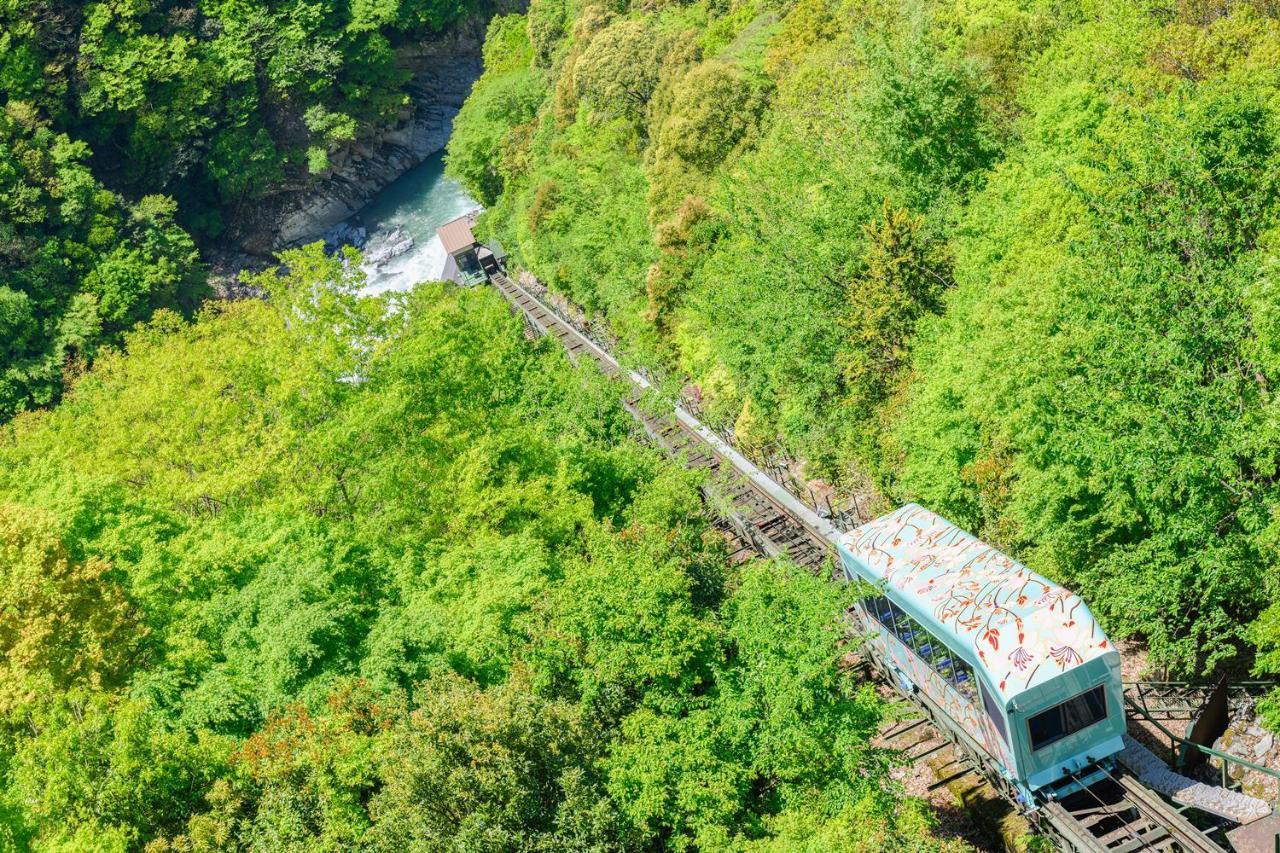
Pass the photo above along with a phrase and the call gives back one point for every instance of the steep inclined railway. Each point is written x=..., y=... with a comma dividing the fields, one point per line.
x=759, y=513
x=1118, y=815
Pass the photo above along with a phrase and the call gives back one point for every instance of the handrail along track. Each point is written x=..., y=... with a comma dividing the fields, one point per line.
x=760, y=512
x=1116, y=815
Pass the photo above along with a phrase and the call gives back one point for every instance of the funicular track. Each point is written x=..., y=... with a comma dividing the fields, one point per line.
x=1117, y=815
x=756, y=512
x=1121, y=814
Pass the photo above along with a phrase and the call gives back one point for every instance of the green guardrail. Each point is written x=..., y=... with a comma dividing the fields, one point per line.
x=1176, y=741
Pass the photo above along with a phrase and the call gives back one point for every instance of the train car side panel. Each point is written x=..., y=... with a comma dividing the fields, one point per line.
x=962, y=709
x=1018, y=662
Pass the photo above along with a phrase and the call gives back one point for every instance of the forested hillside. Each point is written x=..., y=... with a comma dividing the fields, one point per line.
x=128, y=127
x=1016, y=260
x=309, y=574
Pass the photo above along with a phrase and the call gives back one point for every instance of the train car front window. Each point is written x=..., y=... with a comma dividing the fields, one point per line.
x=1073, y=715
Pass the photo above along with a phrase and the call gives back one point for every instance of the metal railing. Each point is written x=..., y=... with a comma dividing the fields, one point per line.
x=845, y=512
x=1176, y=701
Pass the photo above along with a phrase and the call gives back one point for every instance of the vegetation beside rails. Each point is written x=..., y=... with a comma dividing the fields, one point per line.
x=308, y=572
x=1016, y=261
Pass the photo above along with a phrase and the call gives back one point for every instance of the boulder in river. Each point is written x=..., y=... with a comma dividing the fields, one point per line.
x=345, y=234
x=386, y=245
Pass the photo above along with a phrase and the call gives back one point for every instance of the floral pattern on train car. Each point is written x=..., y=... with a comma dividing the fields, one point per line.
x=1023, y=628
x=960, y=709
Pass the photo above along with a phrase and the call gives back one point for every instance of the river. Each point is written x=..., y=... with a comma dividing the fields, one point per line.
x=416, y=204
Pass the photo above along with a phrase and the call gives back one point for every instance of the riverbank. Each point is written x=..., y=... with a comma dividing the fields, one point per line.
x=444, y=69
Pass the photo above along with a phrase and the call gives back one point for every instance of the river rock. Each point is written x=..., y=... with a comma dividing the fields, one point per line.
x=345, y=234
x=387, y=245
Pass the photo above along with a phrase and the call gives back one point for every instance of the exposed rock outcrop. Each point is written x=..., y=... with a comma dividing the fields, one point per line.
x=444, y=70
x=387, y=245
x=1246, y=738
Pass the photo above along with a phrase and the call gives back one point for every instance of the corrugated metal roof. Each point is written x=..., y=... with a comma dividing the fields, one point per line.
x=1023, y=628
x=456, y=235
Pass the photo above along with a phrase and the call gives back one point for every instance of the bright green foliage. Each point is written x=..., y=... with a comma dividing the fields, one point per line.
x=1265, y=632
x=492, y=769
x=904, y=278
x=77, y=263
x=701, y=118
x=215, y=105
x=714, y=107
x=88, y=768
x=489, y=127
x=617, y=72
x=67, y=624
x=1016, y=260
x=1130, y=449
x=548, y=25
x=588, y=238
x=779, y=710
x=320, y=571
x=156, y=90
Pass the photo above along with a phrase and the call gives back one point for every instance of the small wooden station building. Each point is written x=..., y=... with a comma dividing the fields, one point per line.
x=469, y=261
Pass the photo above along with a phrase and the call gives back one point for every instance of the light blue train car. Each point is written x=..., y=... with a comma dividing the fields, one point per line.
x=1014, y=660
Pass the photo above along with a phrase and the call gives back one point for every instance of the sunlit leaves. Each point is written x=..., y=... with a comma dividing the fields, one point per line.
x=1118, y=427
x=67, y=622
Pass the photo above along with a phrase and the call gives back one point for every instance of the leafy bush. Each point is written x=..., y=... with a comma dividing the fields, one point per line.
x=354, y=577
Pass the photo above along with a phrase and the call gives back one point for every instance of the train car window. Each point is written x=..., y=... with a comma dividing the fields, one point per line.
x=924, y=643
x=878, y=607
x=1073, y=715
x=870, y=605
x=883, y=612
x=993, y=711
x=903, y=627
x=964, y=680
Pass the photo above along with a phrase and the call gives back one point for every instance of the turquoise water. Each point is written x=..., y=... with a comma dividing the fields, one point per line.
x=419, y=202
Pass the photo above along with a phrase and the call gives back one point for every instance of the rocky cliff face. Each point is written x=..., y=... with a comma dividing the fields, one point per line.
x=1246, y=738
x=443, y=71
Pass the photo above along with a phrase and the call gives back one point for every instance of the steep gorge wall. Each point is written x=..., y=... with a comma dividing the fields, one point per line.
x=444, y=69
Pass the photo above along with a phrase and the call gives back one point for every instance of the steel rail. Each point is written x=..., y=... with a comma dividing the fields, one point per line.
x=1185, y=834
x=765, y=513
x=1108, y=810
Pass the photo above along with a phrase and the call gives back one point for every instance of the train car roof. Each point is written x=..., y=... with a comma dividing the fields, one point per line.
x=1022, y=628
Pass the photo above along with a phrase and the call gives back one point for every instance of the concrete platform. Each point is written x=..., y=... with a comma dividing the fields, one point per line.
x=1261, y=836
x=1156, y=775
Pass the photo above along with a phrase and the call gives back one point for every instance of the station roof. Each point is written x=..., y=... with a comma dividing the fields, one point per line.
x=1021, y=628
x=456, y=235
